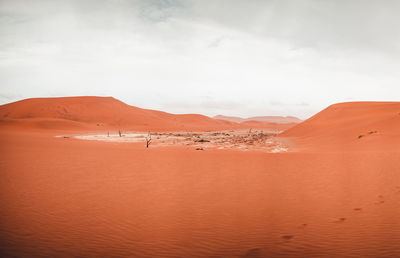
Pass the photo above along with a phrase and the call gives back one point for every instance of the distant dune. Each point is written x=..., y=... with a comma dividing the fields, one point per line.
x=269, y=119
x=366, y=125
x=269, y=125
x=98, y=113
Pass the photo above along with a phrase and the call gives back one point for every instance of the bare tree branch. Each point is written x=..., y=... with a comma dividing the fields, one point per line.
x=148, y=140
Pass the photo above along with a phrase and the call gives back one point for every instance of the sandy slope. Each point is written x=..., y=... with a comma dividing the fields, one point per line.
x=105, y=113
x=98, y=113
x=67, y=197
x=352, y=125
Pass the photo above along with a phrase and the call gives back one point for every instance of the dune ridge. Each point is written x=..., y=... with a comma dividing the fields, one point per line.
x=91, y=112
x=98, y=113
x=360, y=125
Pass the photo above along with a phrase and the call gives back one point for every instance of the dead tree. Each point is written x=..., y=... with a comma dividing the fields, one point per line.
x=108, y=134
x=119, y=132
x=148, y=140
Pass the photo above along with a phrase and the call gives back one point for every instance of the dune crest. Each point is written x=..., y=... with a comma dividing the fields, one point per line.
x=359, y=125
x=92, y=112
x=99, y=113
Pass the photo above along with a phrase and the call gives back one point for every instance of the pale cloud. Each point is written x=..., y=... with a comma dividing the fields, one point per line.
x=249, y=57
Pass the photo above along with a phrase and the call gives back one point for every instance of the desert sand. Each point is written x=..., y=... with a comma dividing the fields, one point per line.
x=367, y=126
x=107, y=113
x=335, y=191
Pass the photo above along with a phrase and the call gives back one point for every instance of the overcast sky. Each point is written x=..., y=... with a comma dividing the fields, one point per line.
x=232, y=57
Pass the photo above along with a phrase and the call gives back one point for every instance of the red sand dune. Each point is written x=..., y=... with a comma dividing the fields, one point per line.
x=359, y=125
x=268, y=119
x=230, y=118
x=100, y=113
x=71, y=198
x=64, y=197
x=272, y=126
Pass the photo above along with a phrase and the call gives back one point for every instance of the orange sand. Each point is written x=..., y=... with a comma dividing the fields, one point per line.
x=66, y=197
x=351, y=126
x=107, y=113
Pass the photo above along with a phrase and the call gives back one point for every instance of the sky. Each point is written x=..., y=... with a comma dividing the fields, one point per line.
x=231, y=57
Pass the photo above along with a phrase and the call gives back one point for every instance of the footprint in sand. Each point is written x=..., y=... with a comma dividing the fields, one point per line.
x=380, y=200
x=255, y=252
x=357, y=209
x=340, y=220
x=304, y=225
x=287, y=237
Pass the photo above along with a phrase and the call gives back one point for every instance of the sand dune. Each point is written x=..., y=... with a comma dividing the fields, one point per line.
x=352, y=125
x=63, y=197
x=66, y=197
x=269, y=125
x=269, y=119
x=101, y=113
